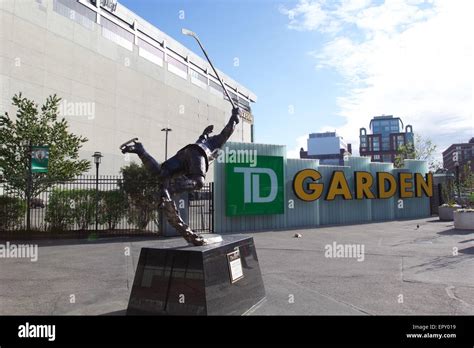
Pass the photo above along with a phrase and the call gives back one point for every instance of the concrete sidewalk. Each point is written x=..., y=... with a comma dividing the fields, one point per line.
x=405, y=270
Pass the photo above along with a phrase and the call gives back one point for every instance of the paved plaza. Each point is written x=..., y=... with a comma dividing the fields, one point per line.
x=415, y=267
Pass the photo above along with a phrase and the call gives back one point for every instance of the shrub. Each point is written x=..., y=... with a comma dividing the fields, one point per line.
x=67, y=207
x=447, y=192
x=113, y=205
x=12, y=212
x=59, y=211
x=141, y=189
x=84, y=205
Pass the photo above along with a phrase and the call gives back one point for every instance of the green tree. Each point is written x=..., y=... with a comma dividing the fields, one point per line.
x=466, y=183
x=422, y=149
x=38, y=126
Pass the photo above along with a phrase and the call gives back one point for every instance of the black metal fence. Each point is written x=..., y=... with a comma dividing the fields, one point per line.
x=86, y=206
x=201, y=209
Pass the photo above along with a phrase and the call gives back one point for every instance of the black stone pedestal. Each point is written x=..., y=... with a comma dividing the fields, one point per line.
x=204, y=280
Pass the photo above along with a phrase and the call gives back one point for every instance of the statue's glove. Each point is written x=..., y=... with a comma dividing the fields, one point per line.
x=236, y=115
x=208, y=130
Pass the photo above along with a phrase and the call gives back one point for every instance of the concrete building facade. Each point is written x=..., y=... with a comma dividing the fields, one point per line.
x=119, y=77
x=465, y=155
x=328, y=147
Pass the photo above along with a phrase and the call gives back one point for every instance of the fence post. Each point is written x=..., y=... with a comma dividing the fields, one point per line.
x=28, y=190
x=211, y=207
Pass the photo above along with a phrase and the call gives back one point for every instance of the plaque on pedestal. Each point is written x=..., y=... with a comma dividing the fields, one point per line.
x=218, y=279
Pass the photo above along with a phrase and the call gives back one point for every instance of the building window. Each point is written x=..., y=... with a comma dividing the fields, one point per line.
x=376, y=144
x=76, y=12
x=177, y=67
x=400, y=141
x=232, y=95
x=244, y=103
x=150, y=52
x=216, y=88
x=117, y=34
x=198, y=79
x=376, y=157
x=363, y=142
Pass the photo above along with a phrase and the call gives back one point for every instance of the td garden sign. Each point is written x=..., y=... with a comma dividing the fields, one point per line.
x=386, y=185
x=275, y=192
x=255, y=190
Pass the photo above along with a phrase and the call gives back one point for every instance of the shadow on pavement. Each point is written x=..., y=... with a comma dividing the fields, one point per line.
x=116, y=313
x=55, y=242
x=436, y=220
x=453, y=231
x=469, y=251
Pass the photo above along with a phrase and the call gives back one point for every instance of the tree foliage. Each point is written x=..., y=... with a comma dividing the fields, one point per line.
x=36, y=126
x=466, y=178
x=423, y=149
x=142, y=190
x=12, y=211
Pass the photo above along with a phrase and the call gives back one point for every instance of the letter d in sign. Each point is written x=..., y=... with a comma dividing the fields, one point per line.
x=252, y=184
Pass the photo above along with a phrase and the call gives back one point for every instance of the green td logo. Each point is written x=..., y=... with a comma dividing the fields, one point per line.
x=255, y=190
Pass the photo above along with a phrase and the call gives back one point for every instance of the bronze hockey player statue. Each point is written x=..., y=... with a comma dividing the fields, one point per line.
x=185, y=171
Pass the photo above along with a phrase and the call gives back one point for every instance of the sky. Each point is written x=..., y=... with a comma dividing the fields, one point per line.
x=328, y=65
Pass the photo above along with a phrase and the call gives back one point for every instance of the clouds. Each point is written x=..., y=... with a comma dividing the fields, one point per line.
x=412, y=59
x=301, y=142
x=306, y=16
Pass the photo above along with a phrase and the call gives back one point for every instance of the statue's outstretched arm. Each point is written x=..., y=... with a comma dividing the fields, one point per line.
x=229, y=128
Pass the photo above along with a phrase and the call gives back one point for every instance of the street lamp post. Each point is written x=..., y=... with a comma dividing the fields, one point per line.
x=27, y=145
x=166, y=129
x=458, y=184
x=97, y=158
x=456, y=165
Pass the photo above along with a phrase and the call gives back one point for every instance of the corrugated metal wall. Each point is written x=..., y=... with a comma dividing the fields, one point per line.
x=320, y=212
x=298, y=212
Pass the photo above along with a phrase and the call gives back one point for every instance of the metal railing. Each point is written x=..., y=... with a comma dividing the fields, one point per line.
x=77, y=208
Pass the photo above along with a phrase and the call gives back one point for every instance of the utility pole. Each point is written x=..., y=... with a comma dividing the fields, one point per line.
x=166, y=129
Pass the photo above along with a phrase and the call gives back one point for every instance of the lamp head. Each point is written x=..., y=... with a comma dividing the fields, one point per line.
x=188, y=32
x=97, y=156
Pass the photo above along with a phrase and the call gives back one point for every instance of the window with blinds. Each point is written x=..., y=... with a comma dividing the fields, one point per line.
x=76, y=12
x=117, y=34
x=198, y=79
x=150, y=52
x=177, y=67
